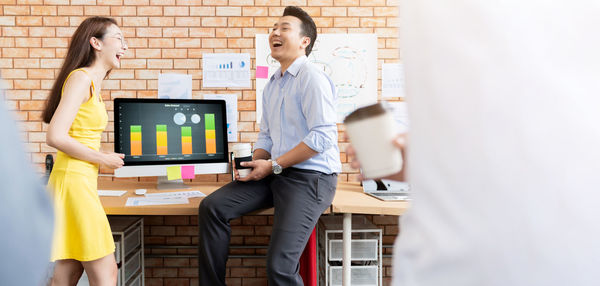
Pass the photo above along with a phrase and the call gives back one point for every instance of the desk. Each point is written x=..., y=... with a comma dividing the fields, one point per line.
x=349, y=199
x=116, y=205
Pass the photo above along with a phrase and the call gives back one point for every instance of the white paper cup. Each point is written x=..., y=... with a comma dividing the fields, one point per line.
x=244, y=172
x=371, y=130
x=242, y=153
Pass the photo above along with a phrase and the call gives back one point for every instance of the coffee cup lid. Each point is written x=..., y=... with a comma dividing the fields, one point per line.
x=365, y=112
x=241, y=146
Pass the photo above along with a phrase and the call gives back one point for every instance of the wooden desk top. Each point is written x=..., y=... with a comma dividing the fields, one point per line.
x=349, y=198
x=116, y=205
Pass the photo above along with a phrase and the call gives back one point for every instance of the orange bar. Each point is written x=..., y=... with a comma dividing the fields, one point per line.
x=186, y=148
x=136, y=148
x=162, y=150
x=211, y=146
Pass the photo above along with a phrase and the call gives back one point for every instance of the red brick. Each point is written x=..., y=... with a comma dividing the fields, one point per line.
x=188, y=272
x=176, y=262
x=242, y=272
x=29, y=21
x=163, y=230
x=254, y=281
x=255, y=11
x=214, y=21
x=202, y=11
x=187, y=230
x=176, y=11
x=70, y=10
x=157, y=261
x=162, y=21
x=16, y=10
x=177, y=220
x=174, y=53
x=13, y=31
x=164, y=272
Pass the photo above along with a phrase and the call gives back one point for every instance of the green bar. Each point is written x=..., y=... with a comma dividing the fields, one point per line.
x=136, y=128
x=209, y=121
x=186, y=131
x=161, y=128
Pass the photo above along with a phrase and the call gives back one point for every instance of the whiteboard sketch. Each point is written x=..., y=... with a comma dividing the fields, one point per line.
x=350, y=60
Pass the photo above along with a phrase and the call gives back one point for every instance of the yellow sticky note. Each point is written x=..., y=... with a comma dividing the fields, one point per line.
x=173, y=173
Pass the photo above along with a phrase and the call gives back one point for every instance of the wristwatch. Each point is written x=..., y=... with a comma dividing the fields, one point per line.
x=277, y=169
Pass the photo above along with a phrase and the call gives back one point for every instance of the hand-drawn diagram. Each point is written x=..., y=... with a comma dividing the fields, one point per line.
x=350, y=60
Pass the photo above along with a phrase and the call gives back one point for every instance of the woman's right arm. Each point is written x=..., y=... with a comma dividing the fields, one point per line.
x=76, y=92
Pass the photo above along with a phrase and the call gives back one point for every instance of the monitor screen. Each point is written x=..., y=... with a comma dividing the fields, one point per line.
x=170, y=131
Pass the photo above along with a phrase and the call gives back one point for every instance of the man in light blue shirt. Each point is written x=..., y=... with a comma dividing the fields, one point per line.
x=295, y=163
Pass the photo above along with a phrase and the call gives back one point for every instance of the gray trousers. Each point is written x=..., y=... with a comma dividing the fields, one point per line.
x=299, y=198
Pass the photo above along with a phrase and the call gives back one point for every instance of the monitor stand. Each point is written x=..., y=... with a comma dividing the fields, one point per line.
x=163, y=183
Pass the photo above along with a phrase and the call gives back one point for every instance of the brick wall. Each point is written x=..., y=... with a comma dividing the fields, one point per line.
x=174, y=263
x=171, y=36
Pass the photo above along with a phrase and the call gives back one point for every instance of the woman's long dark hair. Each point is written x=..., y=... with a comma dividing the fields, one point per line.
x=80, y=54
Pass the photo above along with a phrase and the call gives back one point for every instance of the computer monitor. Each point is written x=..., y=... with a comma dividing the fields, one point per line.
x=157, y=133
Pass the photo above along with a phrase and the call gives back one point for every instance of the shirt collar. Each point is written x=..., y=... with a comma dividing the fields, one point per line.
x=293, y=69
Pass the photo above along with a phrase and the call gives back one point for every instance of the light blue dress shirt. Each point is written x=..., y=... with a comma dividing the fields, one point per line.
x=299, y=106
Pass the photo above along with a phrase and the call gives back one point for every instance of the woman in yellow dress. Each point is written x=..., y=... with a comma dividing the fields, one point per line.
x=77, y=117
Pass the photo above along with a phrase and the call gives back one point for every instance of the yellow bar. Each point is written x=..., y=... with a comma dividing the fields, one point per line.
x=186, y=139
x=210, y=134
x=136, y=136
x=161, y=138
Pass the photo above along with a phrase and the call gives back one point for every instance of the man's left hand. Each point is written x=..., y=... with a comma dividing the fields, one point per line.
x=260, y=169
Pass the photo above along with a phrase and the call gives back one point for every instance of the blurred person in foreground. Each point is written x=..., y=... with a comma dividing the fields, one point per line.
x=503, y=153
x=26, y=217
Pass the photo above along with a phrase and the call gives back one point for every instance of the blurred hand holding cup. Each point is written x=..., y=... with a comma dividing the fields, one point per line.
x=371, y=130
x=242, y=153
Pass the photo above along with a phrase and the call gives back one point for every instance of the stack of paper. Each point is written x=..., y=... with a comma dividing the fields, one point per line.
x=169, y=198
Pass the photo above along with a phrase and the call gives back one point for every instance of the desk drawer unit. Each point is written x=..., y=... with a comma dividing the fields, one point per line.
x=129, y=249
x=362, y=249
x=366, y=252
x=132, y=265
x=360, y=275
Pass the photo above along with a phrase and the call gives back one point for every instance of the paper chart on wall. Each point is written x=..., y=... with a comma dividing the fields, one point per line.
x=226, y=70
x=232, y=113
x=400, y=114
x=392, y=80
x=350, y=60
x=175, y=86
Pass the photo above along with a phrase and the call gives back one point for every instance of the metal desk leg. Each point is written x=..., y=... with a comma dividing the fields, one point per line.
x=347, y=249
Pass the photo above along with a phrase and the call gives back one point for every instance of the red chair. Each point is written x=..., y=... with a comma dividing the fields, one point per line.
x=308, y=261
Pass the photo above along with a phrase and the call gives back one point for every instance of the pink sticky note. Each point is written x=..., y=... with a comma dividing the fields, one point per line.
x=262, y=72
x=187, y=172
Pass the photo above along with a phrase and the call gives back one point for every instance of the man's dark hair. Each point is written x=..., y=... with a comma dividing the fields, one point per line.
x=309, y=29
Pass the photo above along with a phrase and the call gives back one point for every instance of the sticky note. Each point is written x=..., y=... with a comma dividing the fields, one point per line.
x=187, y=172
x=262, y=72
x=173, y=172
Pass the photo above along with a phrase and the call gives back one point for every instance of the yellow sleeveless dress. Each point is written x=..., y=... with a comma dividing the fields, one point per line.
x=81, y=229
